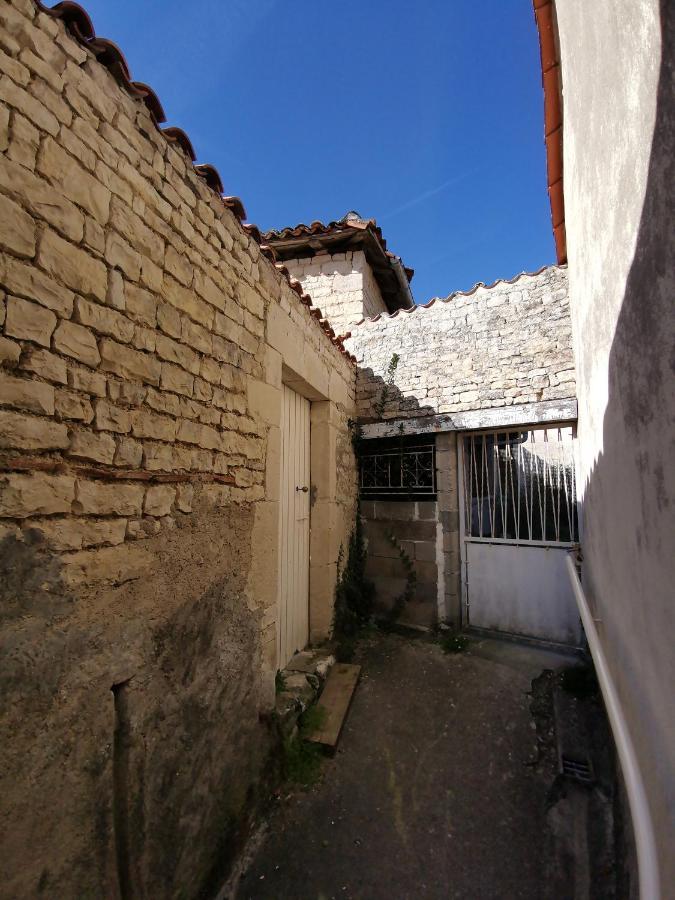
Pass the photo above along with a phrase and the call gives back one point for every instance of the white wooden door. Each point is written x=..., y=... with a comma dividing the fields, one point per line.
x=294, y=594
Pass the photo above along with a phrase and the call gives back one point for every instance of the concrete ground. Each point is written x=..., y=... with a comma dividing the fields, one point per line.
x=432, y=793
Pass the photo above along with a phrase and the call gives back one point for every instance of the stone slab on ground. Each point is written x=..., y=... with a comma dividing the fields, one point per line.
x=432, y=793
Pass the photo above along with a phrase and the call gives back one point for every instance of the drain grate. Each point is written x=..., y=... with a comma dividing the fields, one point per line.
x=578, y=769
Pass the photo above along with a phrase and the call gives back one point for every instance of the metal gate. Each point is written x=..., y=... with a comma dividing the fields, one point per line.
x=519, y=520
x=293, y=631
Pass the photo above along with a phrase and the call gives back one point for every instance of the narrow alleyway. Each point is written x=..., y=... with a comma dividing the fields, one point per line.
x=431, y=794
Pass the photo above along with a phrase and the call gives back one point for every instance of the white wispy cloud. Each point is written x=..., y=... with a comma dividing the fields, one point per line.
x=427, y=194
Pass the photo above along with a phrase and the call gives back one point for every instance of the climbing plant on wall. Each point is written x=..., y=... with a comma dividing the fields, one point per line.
x=408, y=592
x=381, y=402
x=354, y=593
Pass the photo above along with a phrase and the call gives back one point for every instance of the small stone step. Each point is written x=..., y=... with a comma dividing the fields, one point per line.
x=335, y=701
x=312, y=662
x=301, y=679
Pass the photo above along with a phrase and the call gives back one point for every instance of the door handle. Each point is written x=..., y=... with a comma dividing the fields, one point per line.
x=303, y=489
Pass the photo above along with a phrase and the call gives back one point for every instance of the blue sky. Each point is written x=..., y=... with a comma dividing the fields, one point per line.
x=427, y=116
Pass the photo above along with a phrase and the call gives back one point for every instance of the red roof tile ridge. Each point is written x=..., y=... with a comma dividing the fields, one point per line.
x=78, y=22
x=346, y=223
x=472, y=290
x=545, y=17
x=318, y=227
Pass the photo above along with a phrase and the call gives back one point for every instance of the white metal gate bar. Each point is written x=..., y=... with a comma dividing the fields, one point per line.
x=520, y=487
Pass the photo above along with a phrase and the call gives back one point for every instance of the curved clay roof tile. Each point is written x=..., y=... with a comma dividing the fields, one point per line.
x=236, y=206
x=253, y=231
x=210, y=175
x=75, y=18
x=177, y=136
x=151, y=100
x=109, y=55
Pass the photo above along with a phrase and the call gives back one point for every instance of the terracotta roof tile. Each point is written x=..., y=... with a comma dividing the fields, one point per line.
x=544, y=13
x=177, y=136
x=317, y=228
x=351, y=231
x=210, y=175
x=79, y=24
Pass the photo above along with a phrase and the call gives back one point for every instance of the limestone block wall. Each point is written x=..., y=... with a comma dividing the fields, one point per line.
x=342, y=284
x=494, y=347
x=373, y=303
x=144, y=341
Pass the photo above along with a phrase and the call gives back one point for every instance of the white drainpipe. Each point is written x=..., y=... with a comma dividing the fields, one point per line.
x=637, y=798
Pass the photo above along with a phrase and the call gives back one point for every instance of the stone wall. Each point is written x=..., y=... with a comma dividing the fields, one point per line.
x=144, y=341
x=373, y=302
x=342, y=284
x=505, y=345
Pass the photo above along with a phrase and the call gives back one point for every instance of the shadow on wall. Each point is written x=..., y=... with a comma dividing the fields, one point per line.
x=629, y=503
x=396, y=404
x=130, y=713
x=402, y=533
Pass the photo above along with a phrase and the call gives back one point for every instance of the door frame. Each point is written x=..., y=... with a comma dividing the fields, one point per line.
x=289, y=491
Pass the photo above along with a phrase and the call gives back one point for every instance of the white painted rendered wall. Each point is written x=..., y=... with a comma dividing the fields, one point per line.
x=618, y=170
x=342, y=284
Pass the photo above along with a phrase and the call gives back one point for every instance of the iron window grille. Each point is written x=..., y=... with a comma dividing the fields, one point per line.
x=520, y=486
x=396, y=469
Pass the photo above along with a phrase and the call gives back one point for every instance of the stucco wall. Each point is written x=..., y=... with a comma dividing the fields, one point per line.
x=501, y=346
x=342, y=284
x=619, y=152
x=144, y=344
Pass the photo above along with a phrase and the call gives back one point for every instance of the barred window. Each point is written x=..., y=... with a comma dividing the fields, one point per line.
x=521, y=486
x=398, y=468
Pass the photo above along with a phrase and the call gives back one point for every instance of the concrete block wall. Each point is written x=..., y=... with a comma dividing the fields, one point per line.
x=144, y=341
x=342, y=284
x=498, y=346
x=428, y=533
x=412, y=525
